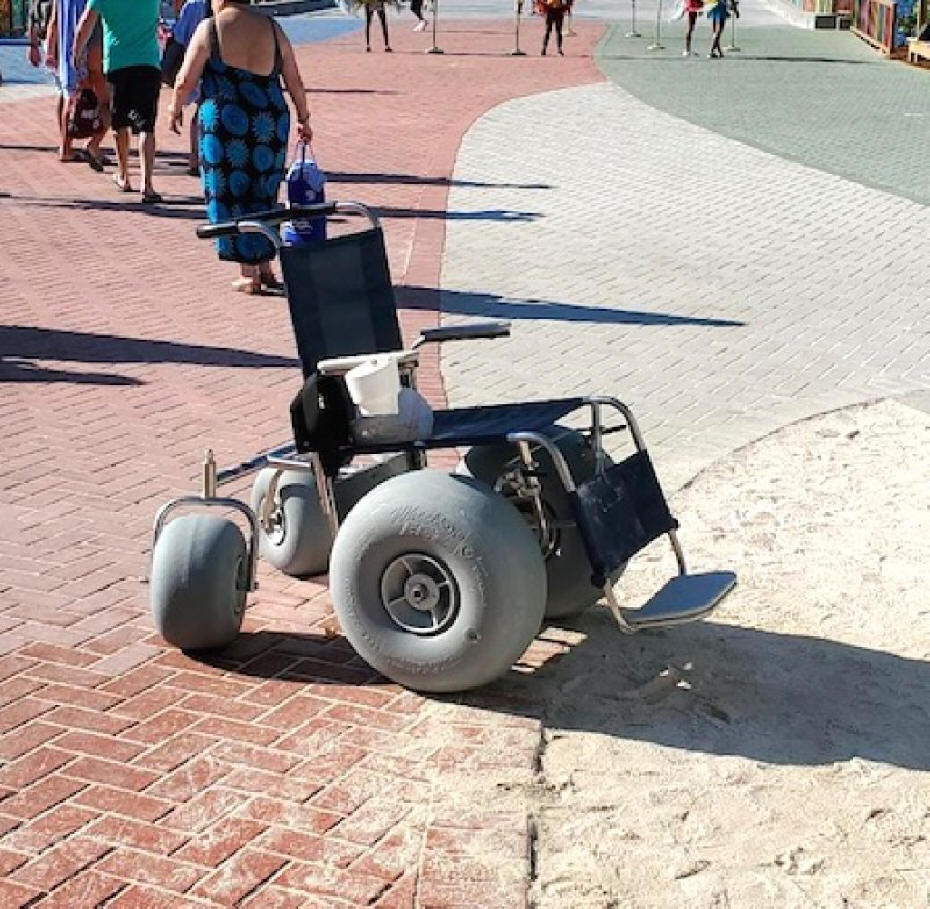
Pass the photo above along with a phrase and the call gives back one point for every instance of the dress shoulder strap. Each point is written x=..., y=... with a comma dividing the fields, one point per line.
x=278, y=60
x=214, y=40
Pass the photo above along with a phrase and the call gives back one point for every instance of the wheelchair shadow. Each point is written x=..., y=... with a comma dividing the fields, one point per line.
x=461, y=303
x=292, y=657
x=417, y=180
x=433, y=214
x=21, y=343
x=780, y=698
x=17, y=370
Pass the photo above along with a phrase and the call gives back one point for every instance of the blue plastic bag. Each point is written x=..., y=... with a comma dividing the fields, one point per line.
x=306, y=185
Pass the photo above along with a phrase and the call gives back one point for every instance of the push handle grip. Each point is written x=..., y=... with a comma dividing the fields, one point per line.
x=269, y=218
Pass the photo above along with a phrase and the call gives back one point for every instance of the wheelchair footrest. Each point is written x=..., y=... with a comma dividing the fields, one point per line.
x=683, y=599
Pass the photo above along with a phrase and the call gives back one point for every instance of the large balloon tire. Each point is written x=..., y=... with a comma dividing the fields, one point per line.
x=299, y=541
x=568, y=570
x=197, y=588
x=471, y=548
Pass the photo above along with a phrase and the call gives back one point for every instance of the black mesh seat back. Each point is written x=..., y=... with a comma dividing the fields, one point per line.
x=341, y=298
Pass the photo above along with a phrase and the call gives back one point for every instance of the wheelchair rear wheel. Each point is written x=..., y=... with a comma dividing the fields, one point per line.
x=437, y=581
x=297, y=538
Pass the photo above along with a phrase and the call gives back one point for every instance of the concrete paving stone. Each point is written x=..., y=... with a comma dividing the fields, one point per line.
x=763, y=330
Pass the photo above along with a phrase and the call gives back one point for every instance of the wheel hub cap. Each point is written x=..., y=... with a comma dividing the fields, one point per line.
x=419, y=593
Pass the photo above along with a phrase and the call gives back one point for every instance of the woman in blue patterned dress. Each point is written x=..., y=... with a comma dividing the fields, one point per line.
x=244, y=123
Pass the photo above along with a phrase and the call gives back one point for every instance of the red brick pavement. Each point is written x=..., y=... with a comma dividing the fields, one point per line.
x=283, y=773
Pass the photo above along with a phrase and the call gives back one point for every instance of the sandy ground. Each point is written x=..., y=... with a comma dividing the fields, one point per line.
x=777, y=754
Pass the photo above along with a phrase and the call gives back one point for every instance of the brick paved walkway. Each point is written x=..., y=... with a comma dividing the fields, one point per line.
x=284, y=773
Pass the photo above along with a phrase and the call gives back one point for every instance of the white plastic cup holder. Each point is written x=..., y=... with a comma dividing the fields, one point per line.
x=374, y=385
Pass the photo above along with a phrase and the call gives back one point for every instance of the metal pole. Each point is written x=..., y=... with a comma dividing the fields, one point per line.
x=435, y=49
x=518, y=9
x=732, y=46
x=658, y=45
x=632, y=33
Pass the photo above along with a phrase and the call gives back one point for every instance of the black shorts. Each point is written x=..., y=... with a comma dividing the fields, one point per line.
x=135, y=97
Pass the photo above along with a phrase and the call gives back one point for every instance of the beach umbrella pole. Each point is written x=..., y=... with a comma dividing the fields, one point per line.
x=435, y=49
x=517, y=10
x=657, y=44
x=731, y=47
x=632, y=33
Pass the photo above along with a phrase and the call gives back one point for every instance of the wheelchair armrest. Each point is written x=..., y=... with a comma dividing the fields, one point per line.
x=339, y=366
x=464, y=332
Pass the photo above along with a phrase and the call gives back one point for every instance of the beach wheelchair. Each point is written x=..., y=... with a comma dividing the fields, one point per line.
x=439, y=580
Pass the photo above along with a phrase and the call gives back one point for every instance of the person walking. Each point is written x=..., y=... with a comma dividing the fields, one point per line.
x=693, y=9
x=554, y=11
x=240, y=57
x=84, y=70
x=718, y=15
x=132, y=63
x=372, y=7
x=193, y=12
x=416, y=7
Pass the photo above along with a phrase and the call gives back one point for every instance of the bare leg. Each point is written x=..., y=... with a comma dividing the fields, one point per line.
x=64, y=149
x=382, y=15
x=692, y=19
x=715, y=49
x=122, y=158
x=147, y=159
x=193, y=157
x=93, y=146
x=249, y=281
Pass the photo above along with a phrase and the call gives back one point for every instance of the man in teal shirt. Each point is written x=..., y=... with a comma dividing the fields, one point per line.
x=131, y=61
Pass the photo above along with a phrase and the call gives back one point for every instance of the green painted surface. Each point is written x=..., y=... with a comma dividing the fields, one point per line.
x=822, y=98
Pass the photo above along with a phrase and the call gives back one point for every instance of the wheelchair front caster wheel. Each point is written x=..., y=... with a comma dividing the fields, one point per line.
x=197, y=588
x=296, y=538
x=437, y=581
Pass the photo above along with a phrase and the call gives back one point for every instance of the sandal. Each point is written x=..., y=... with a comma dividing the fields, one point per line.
x=121, y=185
x=97, y=162
x=270, y=282
x=249, y=286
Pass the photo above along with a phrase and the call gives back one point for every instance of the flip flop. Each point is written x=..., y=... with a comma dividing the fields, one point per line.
x=120, y=185
x=249, y=286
